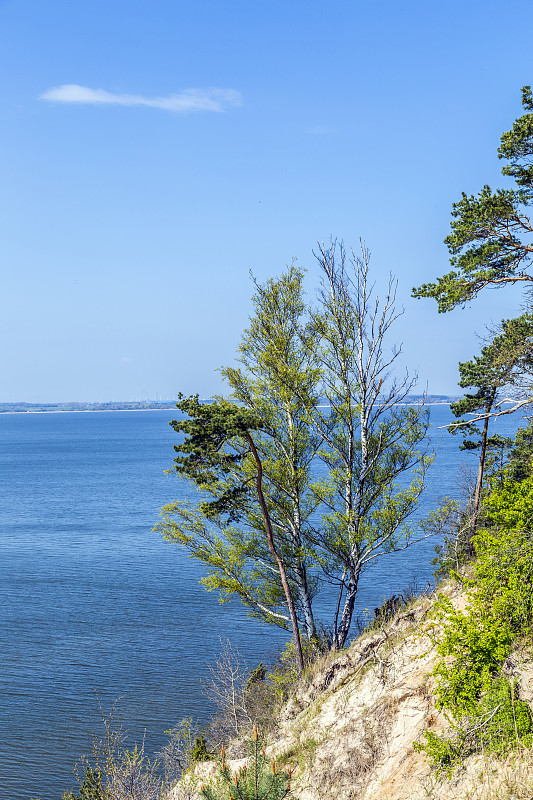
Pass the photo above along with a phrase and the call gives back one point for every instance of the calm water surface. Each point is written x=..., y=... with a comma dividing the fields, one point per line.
x=95, y=607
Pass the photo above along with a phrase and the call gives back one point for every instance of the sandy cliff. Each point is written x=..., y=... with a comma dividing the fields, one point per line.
x=350, y=727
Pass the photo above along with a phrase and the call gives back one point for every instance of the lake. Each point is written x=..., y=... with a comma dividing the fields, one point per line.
x=97, y=608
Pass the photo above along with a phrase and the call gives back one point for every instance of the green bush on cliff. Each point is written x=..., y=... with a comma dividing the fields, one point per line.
x=474, y=644
x=285, y=672
x=498, y=723
x=90, y=788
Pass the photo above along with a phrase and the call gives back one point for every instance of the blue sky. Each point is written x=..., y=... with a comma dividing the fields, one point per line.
x=152, y=154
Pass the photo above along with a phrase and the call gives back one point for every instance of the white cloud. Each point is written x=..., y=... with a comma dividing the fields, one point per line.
x=126, y=360
x=188, y=100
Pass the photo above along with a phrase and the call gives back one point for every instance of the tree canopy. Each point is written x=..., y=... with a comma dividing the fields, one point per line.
x=491, y=238
x=500, y=367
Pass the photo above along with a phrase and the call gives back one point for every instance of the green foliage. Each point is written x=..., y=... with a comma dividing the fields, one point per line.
x=501, y=721
x=211, y=450
x=199, y=750
x=520, y=464
x=517, y=145
x=501, y=364
x=237, y=565
x=258, y=780
x=325, y=531
x=285, y=674
x=223, y=461
x=256, y=498
x=491, y=244
x=473, y=645
x=277, y=379
x=490, y=239
x=510, y=508
x=477, y=643
x=91, y=787
x=501, y=603
x=443, y=752
x=498, y=723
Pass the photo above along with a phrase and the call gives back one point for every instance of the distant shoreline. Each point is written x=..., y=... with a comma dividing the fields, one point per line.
x=78, y=408
x=83, y=410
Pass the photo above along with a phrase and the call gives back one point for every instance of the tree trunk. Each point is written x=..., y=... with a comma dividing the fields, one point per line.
x=341, y=634
x=279, y=562
x=307, y=608
x=299, y=569
x=477, y=494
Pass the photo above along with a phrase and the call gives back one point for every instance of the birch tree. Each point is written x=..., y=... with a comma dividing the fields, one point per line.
x=369, y=440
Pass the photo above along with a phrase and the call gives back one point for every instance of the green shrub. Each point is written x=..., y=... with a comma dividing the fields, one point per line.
x=90, y=788
x=477, y=644
x=474, y=644
x=285, y=673
x=499, y=723
x=442, y=751
x=199, y=750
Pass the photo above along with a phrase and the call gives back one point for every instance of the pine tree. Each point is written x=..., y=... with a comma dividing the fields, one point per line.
x=491, y=238
x=260, y=779
x=501, y=365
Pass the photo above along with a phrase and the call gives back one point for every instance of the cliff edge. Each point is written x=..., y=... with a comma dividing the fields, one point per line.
x=349, y=728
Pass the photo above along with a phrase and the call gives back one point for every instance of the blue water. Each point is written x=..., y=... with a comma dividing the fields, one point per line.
x=95, y=607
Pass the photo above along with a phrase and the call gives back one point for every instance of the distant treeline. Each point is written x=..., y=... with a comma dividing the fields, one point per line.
x=111, y=406
x=161, y=404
